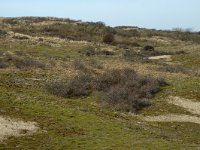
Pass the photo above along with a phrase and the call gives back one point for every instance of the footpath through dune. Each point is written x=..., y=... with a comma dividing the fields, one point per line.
x=12, y=127
x=189, y=105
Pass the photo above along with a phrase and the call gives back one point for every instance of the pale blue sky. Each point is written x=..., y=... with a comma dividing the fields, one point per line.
x=160, y=14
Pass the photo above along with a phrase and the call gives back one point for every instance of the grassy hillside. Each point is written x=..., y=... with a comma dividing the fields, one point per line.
x=38, y=53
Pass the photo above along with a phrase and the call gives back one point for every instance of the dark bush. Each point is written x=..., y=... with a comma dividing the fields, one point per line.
x=91, y=51
x=106, y=52
x=122, y=89
x=108, y=38
x=180, y=52
x=3, y=64
x=88, y=51
x=111, y=78
x=148, y=48
x=2, y=33
x=126, y=90
x=148, y=51
x=79, y=85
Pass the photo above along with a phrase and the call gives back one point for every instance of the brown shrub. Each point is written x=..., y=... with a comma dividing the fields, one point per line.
x=28, y=62
x=127, y=90
x=122, y=89
x=2, y=33
x=108, y=38
x=3, y=64
x=79, y=85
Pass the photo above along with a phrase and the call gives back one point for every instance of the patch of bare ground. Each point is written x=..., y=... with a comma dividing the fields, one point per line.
x=163, y=57
x=189, y=105
x=12, y=127
x=173, y=118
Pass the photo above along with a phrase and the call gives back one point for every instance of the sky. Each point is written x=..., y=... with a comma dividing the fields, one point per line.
x=158, y=14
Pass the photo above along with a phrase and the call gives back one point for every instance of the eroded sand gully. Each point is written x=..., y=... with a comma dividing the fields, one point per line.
x=189, y=105
x=11, y=127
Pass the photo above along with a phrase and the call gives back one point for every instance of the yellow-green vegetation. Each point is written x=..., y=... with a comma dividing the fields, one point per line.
x=83, y=122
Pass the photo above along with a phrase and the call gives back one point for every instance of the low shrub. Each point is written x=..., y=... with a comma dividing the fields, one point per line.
x=11, y=21
x=108, y=38
x=2, y=33
x=79, y=85
x=129, y=54
x=88, y=51
x=106, y=51
x=148, y=48
x=3, y=64
x=126, y=90
x=78, y=64
x=28, y=62
x=123, y=89
x=180, y=52
x=148, y=51
x=96, y=64
x=91, y=51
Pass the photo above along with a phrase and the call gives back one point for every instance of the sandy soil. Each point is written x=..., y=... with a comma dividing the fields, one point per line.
x=166, y=57
x=189, y=105
x=11, y=127
x=173, y=118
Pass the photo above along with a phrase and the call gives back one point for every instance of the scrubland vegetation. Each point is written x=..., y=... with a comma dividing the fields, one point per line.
x=89, y=86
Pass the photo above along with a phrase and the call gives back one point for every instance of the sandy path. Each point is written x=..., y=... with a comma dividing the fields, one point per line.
x=11, y=127
x=173, y=118
x=189, y=105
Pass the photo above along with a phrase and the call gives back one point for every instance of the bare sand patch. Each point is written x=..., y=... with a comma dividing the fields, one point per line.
x=12, y=127
x=165, y=57
x=189, y=105
x=173, y=118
